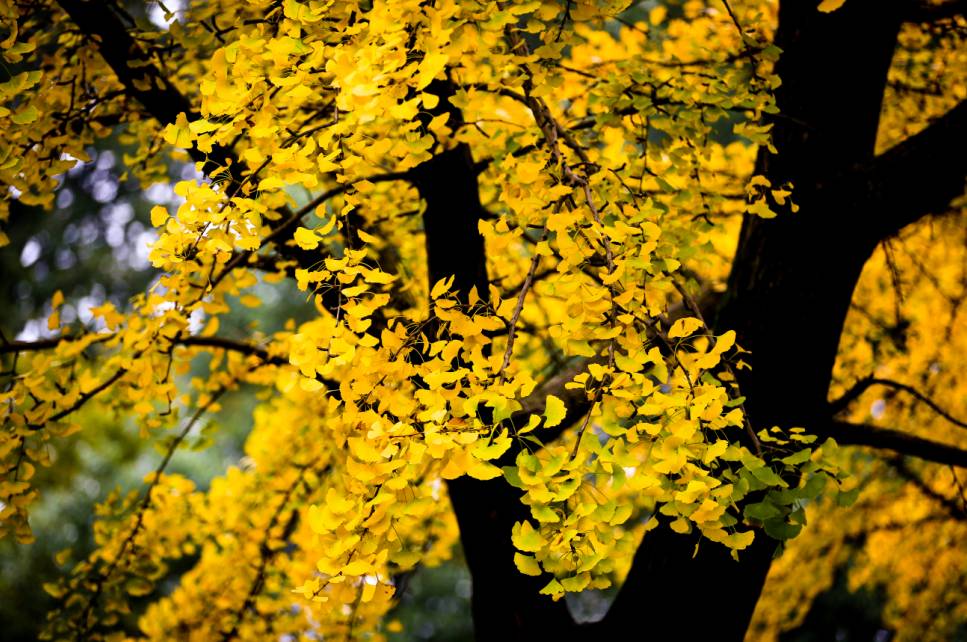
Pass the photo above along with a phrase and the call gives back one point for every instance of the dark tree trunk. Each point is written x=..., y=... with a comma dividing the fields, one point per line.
x=788, y=294
x=793, y=276
x=506, y=604
x=689, y=595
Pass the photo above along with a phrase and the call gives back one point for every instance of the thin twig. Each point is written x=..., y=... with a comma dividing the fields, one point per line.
x=746, y=423
x=515, y=317
x=142, y=509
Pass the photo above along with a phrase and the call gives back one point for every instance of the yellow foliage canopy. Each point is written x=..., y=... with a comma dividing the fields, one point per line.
x=610, y=161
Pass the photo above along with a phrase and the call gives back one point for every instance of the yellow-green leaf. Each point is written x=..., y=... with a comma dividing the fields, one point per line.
x=306, y=239
x=684, y=327
x=26, y=115
x=527, y=564
x=554, y=412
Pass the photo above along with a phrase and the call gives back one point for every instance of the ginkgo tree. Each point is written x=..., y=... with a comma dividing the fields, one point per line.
x=604, y=295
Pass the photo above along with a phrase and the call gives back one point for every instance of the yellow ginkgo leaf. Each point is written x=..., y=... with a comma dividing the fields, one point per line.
x=178, y=133
x=527, y=564
x=684, y=327
x=827, y=6
x=306, y=239
x=554, y=411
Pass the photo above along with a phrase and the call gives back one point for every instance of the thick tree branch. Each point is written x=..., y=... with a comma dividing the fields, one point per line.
x=233, y=346
x=220, y=343
x=903, y=469
x=850, y=434
x=249, y=349
x=864, y=384
x=83, y=398
x=212, y=342
x=14, y=347
x=926, y=11
x=504, y=601
x=912, y=179
x=577, y=402
x=668, y=565
x=134, y=69
x=147, y=84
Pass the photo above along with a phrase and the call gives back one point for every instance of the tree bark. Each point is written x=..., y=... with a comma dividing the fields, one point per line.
x=788, y=292
x=142, y=80
x=505, y=603
x=793, y=277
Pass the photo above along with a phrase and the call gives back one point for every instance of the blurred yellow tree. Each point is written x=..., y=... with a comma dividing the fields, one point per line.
x=609, y=295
